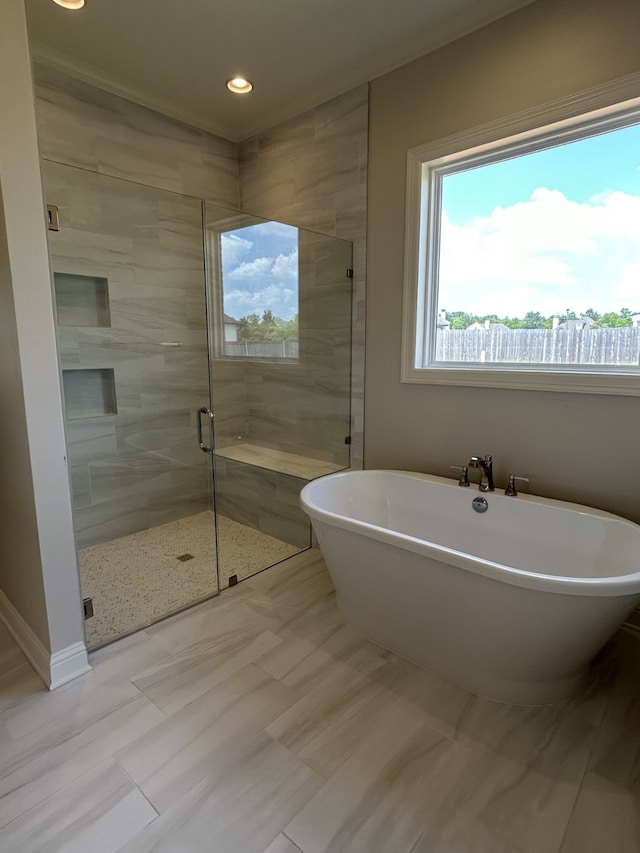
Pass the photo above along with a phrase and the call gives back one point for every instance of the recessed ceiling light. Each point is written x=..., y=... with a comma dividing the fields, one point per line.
x=239, y=85
x=70, y=4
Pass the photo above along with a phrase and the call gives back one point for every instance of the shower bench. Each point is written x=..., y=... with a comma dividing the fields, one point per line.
x=260, y=487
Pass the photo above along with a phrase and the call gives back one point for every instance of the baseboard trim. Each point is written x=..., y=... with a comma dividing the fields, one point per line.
x=54, y=669
x=68, y=664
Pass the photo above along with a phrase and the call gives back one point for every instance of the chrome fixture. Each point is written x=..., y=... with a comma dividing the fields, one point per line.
x=486, y=464
x=464, y=474
x=480, y=504
x=511, y=487
x=53, y=218
x=203, y=410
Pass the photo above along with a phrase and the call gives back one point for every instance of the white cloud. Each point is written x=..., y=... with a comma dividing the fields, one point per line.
x=257, y=268
x=619, y=215
x=546, y=254
x=286, y=266
x=282, y=300
x=234, y=248
x=627, y=290
x=282, y=266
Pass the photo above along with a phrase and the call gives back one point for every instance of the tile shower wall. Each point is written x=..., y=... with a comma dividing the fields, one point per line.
x=304, y=408
x=134, y=461
x=300, y=408
x=266, y=500
x=84, y=126
x=311, y=171
x=230, y=401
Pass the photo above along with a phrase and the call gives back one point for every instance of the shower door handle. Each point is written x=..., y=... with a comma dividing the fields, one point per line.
x=204, y=411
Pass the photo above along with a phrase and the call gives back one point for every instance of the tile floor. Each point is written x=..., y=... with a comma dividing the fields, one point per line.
x=136, y=580
x=258, y=722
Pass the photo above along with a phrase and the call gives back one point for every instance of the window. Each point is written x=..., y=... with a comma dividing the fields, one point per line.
x=258, y=290
x=522, y=264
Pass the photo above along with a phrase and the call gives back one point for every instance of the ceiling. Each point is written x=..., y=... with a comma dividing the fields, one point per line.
x=176, y=55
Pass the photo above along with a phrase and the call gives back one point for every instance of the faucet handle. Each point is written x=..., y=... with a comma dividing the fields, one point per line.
x=511, y=486
x=464, y=474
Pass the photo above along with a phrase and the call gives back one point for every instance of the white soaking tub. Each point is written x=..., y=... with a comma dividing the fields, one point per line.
x=512, y=603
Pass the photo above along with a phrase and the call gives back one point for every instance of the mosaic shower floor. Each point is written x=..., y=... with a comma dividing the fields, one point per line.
x=140, y=578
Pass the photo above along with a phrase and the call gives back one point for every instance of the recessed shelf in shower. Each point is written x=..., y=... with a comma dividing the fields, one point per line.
x=89, y=393
x=81, y=300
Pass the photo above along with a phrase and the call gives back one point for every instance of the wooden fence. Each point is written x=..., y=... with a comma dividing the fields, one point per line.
x=540, y=346
x=266, y=349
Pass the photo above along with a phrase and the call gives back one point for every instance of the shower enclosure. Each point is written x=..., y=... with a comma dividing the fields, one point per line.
x=205, y=358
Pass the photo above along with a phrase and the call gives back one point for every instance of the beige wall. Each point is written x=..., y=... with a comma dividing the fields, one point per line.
x=20, y=568
x=572, y=446
x=38, y=571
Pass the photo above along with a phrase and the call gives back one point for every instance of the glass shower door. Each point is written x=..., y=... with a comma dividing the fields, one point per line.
x=132, y=333
x=281, y=367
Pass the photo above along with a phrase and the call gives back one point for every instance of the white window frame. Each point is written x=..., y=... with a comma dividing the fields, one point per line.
x=606, y=107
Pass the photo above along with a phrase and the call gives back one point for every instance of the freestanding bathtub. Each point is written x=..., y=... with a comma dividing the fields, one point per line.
x=512, y=603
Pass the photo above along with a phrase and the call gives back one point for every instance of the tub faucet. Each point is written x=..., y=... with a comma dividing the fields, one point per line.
x=486, y=479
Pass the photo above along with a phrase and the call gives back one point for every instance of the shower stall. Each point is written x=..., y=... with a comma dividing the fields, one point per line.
x=205, y=357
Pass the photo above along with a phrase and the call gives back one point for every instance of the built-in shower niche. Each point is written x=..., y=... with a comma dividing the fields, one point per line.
x=89, y=393
x=81, y=300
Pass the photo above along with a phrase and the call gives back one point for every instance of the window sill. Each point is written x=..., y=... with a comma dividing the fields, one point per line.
x=529, y=379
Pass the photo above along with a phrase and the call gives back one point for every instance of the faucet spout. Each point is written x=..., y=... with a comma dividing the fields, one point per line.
x=486, y=466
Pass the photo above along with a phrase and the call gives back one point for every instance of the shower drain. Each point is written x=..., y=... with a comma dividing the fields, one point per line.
x=184, y=557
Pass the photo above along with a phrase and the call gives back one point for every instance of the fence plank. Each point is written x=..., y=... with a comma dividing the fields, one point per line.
x=262, y=349
x=613, y=347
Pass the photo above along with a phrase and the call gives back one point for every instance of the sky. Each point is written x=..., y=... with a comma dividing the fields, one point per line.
x=260, y=270
x=553, y=231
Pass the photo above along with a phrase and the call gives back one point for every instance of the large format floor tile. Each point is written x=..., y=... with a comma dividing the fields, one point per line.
x=242, y=810
x=39, y=763
x=258, y=722
x=204, y=739
x=301, y=583
x=99, y=811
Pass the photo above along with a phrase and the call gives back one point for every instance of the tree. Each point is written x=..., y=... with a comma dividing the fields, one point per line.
x=533, y=320
x=269, y=327
x=611, y=320
x=461, y=319
x=247, y=327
